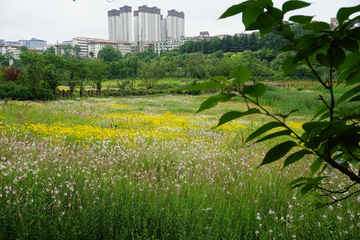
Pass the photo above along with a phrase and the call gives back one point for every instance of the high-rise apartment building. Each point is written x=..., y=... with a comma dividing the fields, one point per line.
x=125, y=24
x=147, y=24
x=175, y=24
x=114, y=24
x=120, y=24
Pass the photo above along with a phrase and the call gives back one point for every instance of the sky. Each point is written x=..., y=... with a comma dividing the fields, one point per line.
x=61, y=20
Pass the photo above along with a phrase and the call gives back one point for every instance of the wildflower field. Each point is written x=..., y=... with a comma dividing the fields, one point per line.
x=149, y=168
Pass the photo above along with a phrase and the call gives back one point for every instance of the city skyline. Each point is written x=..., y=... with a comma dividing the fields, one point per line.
x=58, y=21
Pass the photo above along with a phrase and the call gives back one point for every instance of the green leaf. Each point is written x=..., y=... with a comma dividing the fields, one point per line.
x=241, y=75
x=355, y=33
x=274, y=135
x=220, y=79
x=321, y=109
x=263, y=129
x=255, y=91
x=345, y=74
x=259, y=25
x=264, y=31
x=313, y=143
x=296, y=157
x=317, y=26
x=306, y=189
x=300, y=179
x=321, y=58
x=229, y=116
x=275, y=13
x=336, y=55
x=207, y=86
x=257, y=4
x=344, y=13
x=288, y=66
x=233, y=10
x=348, y=95
x=316, y=165
x=306, y=52
x=250, y=15
x=287, y=48
x=293, y=5
x=301, y=19
x=278, y=152
x=349, y=44
x=353, y=80
x=355, y=99
x=351, y=60
x=214, y=100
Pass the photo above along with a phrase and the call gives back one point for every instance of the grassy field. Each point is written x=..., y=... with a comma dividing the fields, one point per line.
x=148, y=168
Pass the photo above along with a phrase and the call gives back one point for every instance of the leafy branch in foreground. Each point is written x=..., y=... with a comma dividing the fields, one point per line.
x=332, y=136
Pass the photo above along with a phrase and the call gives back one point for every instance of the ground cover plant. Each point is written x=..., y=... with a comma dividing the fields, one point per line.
x=147, y=168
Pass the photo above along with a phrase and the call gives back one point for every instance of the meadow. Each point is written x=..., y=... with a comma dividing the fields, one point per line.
x=149, y=168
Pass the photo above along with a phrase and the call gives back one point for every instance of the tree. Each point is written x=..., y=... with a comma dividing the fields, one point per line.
x=152, y=73
x=97, y=69
x=68, y=50
x=50, y=50
x=333, y=136
x=76, y=51
x=109, y=54
x=34, y=70
x=53, y=71
x=23, y=48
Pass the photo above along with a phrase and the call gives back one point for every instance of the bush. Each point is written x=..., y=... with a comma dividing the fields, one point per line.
x=44, y=94
x=16, y=92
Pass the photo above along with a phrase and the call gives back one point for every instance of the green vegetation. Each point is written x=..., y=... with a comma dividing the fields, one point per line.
x=331, y=137
x=126, y=168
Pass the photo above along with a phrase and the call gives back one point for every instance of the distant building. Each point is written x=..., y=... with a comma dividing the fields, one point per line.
x=175, y=24
x=114, y=24
x=33, y=43
x=147, y=24
x=120, y=24
x=12, y=43
x=83, y=42
x=168, y=45
x=68, y=42
x=14, y=50
x=59, y=50
x=1, y=43
x=334, y=22
x=123, y=46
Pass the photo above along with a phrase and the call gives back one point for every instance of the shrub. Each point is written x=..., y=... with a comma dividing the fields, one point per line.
x=44, y=94
x=15, y=92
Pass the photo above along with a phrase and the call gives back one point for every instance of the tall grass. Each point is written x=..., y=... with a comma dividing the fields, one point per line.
x=192, y=183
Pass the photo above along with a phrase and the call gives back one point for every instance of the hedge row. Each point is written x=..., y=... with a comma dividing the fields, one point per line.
x=13, y=91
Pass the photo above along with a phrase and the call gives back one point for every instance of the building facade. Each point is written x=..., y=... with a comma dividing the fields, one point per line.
x=147, y=24
x=34, y=43
x=175, y=25
x=114, y=24
x=168, y=45
x=125, y=24
x=83, y=42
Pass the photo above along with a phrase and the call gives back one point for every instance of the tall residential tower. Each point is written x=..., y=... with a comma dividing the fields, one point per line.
x=120, y=24
x=147, y=24
x=175, y=24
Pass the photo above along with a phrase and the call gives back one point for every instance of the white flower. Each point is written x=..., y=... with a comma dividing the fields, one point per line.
x=340, y=218
x=271, y=212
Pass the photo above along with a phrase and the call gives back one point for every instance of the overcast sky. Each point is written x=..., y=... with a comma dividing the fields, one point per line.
x=60, y=20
